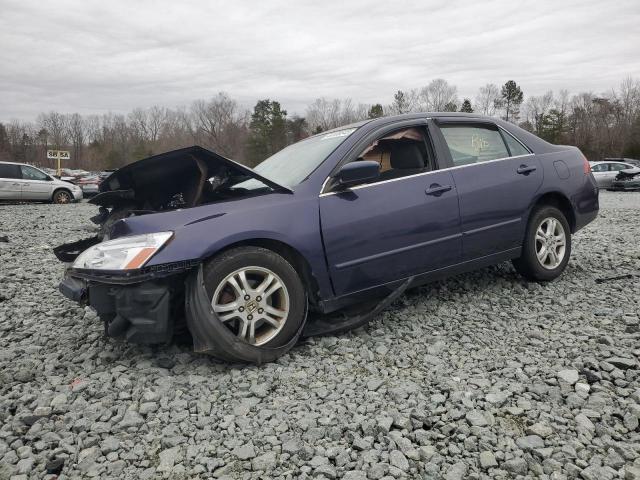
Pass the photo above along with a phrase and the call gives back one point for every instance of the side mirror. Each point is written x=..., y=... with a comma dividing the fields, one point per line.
x=360, y=171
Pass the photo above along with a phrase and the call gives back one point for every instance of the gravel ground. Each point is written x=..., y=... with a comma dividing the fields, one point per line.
x=479, y=376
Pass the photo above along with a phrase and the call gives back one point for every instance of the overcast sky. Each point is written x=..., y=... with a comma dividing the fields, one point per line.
x=97, y=56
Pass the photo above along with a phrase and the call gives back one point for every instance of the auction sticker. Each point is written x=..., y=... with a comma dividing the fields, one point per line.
x=339, y=133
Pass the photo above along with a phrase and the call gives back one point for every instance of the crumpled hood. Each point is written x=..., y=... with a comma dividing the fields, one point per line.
x=154, y=179
x=628, y=173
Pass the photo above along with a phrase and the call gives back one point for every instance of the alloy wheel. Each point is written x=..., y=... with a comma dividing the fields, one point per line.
x=551, y=243
x=63, y=197
x=253, y=302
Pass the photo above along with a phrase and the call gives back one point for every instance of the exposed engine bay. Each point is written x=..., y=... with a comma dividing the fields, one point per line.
x=182, y=178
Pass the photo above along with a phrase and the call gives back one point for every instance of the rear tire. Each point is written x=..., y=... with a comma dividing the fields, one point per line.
x=547, y=245
x=257, y=295
x=62, y=197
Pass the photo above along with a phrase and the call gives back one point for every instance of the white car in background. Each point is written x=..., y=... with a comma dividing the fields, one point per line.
x=21, y=182
x=606, y=171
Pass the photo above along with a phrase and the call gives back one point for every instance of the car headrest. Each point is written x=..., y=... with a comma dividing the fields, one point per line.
x=405, y=155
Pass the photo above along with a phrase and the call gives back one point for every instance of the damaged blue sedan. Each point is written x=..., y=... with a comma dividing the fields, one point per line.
x=325, y=233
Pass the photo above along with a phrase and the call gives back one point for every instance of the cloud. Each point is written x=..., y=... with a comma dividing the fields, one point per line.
x=90, y=57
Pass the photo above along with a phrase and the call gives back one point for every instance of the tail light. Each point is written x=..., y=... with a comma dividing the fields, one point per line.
x=586, y=165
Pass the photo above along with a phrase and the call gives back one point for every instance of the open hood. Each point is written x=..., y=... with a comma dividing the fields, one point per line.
x=181, y=178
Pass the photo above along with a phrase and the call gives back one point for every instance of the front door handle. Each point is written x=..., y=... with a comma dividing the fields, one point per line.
x=525, y=169
x=436, y=189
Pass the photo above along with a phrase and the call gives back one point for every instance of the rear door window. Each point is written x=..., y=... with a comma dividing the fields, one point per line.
x=471, y=144
x=9, y=171
x=601, y=167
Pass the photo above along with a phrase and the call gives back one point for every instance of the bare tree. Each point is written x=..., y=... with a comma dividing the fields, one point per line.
x=628, y=98
x=438, y=96
x=487, y=100
x=220, y=124
x=536, y=110
x=76, y=135
x=55, y=124
x=323, y=114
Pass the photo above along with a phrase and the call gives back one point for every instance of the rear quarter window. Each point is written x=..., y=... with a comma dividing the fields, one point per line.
x=515, y=147
x=9, y=171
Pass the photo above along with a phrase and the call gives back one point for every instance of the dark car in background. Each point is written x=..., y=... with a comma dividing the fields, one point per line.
x=335, y=221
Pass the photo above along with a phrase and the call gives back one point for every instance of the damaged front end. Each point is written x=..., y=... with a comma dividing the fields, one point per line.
x=142, y=304
x=626, y=180
x=109, y=271
x=178, y=179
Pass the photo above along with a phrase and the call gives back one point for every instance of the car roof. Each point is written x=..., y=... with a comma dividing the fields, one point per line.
x=15, y=163
x=410, y=116
x=610, y=161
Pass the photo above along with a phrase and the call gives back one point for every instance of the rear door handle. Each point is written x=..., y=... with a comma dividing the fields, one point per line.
x=525, y=169
x=436, y=189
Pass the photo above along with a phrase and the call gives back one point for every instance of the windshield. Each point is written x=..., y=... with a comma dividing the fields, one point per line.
x=293, y=164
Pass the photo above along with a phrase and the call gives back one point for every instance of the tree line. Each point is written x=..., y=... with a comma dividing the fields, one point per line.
x=605, y=125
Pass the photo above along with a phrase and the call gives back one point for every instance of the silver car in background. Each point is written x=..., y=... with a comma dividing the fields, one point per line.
x=21, y=182
x=606, y=171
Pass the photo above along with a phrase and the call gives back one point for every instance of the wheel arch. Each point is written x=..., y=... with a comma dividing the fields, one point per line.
x=57, y=189
x=289, y=253
x=561, y=202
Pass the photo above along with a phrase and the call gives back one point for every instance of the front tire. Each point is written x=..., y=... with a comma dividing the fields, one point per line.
x=547, y=245
x=257, y=295
x=62, y=197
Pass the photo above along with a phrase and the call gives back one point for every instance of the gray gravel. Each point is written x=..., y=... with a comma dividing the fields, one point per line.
x=479, y=376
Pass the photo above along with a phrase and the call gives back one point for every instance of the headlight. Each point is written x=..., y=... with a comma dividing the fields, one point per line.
x=123, y=253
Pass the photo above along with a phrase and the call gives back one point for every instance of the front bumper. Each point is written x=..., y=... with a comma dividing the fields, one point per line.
x=77, y=195
x=142, y=313
x=629, y=186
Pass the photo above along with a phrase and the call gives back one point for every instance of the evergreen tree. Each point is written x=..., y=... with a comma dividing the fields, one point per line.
x=400, y=103
x=376, y=111
x=267, y=131
x=4, y=143
x=297, y=129
x=554, y=125
x=511, y=99
x=466, y=106
x=450, y=107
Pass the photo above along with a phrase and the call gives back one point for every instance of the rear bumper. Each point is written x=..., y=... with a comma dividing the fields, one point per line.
x=586, y=204
x=140, y=313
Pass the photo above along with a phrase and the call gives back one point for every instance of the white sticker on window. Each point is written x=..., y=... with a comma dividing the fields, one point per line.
x=339, y=133
x=478, y=143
